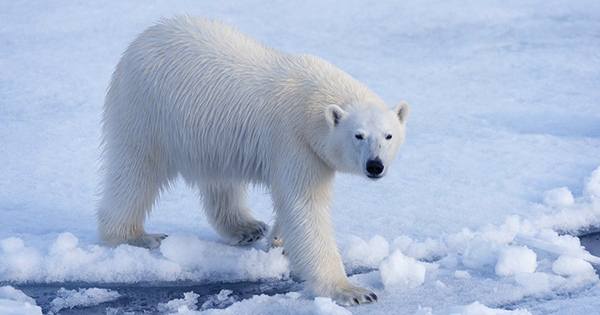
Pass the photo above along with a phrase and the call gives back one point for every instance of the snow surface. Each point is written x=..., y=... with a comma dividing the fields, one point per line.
x=477, y=308
x=502, y=151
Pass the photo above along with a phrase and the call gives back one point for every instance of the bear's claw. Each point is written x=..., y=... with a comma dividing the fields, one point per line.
x=252, y=233
x=150, y=241
x=353, y=295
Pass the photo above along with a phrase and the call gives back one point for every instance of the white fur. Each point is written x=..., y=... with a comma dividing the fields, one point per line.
x=197, y=98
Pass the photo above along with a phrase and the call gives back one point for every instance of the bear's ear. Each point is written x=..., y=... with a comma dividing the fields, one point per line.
x=334, y=114
x=402, y=111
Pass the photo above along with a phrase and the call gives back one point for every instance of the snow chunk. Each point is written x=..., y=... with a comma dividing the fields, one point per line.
x=477, y=308
x=559, y=197
x=188, y=303
x=15, y=302
x=427, y=249
x=400, y=270
x=82, y=297
x=369, y=254
x=516, y=259
x=221, y=300
x=205, y=259
x=18, y=262
x=572, y=266
x=592, y=186
x=577, y=214
x=462, y=274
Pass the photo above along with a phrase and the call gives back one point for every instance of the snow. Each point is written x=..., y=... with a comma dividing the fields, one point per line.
x=187, y=304
x=572, y=267
x=81, y=298
x=516, y=259
x=462, y=274
x=180, y=258
x=403, y=271
x=477, y=308
x=221, y=300
x=280, y=304
x=592, y=186
x=559, y=197
x=15, y=302
x=367, y=253
x=502, y=152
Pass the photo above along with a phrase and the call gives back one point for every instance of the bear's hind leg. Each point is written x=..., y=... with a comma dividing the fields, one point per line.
x=130, y=190
x=225, y=207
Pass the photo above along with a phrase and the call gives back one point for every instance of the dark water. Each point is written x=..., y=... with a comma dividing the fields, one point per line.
x=591, y=242
x=143, y=298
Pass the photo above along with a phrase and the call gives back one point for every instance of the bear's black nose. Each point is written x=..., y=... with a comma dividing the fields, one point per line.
x=374, y=167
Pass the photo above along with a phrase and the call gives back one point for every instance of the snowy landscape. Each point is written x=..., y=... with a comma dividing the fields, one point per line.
x=481, y=212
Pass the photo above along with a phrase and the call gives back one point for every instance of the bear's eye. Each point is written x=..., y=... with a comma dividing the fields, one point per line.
x=359, y=136
x=388, y=137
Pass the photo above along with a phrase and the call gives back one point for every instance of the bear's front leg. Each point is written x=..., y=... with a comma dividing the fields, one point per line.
x=305, y=225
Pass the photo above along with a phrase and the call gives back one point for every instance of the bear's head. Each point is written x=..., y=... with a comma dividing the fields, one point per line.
x=364, y=139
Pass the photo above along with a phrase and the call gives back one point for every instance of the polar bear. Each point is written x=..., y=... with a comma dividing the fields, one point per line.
x=196, y=98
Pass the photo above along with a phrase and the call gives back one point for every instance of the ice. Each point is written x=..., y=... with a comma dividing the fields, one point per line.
x=573, y=267
x=477, y=308
x=516, y=259
x=290, y=303
x=327, y=306
x=180, y=258
x=424, y=311
x=538, y=283
x=592, y=186
x=205, y=259
x=81, y=298
x=220, y=300
x=400, y=270
x=559, y=197
x=367, y=253
x=581, y=214
x=462, y=274
x=15, y=302
x=480, y=254
x=18, y=262
x=502, y=150
x=187, y=304
x=428, y=249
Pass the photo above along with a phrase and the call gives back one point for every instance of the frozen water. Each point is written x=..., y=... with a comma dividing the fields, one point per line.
x=81, y=298
x=185, y=305
x=502, y=151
